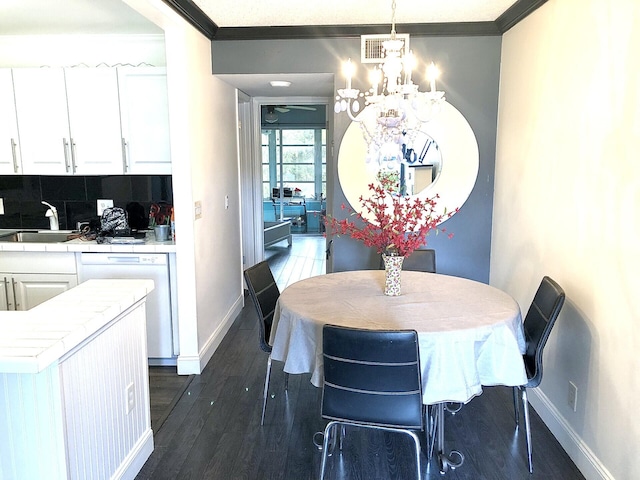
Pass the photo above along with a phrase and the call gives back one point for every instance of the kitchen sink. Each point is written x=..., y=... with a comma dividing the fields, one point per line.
x=41, y=236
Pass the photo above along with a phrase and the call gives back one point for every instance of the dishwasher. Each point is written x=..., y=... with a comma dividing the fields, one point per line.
x=161, y=330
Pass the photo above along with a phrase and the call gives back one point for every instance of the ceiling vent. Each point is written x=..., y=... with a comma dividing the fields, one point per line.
x=371, y=46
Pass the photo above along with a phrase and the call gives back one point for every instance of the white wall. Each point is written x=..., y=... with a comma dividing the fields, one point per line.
x=205, y=168
x=566, y=205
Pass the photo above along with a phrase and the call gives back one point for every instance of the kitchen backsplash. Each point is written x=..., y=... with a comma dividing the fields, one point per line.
x=75, y=197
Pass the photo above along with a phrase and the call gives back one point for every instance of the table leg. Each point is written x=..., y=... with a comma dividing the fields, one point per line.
x=454, y=459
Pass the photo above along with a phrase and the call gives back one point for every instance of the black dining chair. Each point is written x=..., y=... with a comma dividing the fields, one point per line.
x=371, y=380
x=423, y=260
x=538, y=322
x=264, y=292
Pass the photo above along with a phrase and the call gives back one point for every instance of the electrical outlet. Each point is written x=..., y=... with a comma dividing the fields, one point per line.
x=1, y=206
x=226, y=202
x=197, y=210
x=572, y=396
x=103, y=204
x=130, y=397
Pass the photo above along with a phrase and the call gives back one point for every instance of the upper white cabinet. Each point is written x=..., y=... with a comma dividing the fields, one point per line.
x=88, y=121
x=145, y=119
x=43, y=121
x=10, y=163
x=69, y=121
x=94, y=121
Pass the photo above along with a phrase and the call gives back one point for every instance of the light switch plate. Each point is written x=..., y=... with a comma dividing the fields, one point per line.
x=103, y=204
x=197, y=209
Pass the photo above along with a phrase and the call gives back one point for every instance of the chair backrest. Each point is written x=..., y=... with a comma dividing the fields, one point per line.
x=538, y=322
x=419, y=261
x=372, y=377
x=265, y=293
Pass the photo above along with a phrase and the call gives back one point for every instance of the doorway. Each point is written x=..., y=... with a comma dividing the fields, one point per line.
x=287, y=169
x=294, y=165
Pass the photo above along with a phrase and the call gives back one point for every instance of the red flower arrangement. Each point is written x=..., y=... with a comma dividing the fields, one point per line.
x=402, y=222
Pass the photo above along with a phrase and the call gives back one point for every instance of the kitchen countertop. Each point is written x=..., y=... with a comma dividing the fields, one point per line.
x=150, y=245
x=32, y=340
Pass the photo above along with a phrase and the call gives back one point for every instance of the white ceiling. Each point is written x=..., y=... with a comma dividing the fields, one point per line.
x=31, y=17
x=50, y=17
x=242, y=13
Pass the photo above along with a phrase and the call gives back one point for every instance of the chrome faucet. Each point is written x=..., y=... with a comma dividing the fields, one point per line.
x=52, y=213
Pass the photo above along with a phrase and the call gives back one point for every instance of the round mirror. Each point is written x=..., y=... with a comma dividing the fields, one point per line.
x=441, y=158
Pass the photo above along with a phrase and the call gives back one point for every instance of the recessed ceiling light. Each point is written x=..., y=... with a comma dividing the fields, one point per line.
x=280, y=83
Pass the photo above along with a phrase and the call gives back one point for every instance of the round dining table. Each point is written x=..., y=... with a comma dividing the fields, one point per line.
x=470, y=333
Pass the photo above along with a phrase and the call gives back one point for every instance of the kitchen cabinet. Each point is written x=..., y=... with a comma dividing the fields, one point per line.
x=94, y=121
x=68, y=121
x=145, y=120
x=10, y=162
x=29, y=279
x=23, y=291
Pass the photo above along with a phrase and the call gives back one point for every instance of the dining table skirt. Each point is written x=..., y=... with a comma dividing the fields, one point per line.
x=470, y=334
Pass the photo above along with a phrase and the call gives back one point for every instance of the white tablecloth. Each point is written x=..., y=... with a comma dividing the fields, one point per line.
x=470, y=333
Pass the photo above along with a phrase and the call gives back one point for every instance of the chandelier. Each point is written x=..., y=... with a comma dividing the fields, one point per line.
x=395, y=107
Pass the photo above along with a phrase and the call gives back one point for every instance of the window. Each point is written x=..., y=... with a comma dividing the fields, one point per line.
x=294, y=158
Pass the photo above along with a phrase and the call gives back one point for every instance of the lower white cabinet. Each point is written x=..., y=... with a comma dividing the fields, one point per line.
x=29, y=279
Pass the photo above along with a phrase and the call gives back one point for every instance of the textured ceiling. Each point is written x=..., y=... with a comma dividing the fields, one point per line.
x=114, y=16
x=243, y=13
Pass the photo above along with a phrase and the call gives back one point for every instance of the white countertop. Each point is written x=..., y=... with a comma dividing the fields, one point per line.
x=32, y=340
x=150, y=245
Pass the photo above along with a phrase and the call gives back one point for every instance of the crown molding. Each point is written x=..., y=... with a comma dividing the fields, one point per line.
x=354, y=31
x=517, y=11
x=196, y=17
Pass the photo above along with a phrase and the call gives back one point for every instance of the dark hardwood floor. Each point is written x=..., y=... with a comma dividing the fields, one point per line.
x=214, y=432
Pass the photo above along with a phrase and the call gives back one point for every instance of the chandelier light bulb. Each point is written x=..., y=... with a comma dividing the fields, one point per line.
x=375, y=77
x=348, y=69
x=409, y=65
x=433, y=72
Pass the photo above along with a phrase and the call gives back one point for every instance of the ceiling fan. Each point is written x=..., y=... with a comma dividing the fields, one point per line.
x=286, y=108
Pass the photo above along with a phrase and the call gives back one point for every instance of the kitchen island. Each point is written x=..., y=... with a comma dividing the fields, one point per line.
x=74, y=385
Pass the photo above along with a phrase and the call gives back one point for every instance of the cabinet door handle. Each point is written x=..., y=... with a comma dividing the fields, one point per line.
x=74, y=165
x=125, y=162
x=15, y=158
x=6, y=293
x=65, y=147
x=15, y=299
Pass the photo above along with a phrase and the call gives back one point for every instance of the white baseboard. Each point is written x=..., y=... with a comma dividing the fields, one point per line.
x=190, y=365
x=136, y=459
x=584, y=458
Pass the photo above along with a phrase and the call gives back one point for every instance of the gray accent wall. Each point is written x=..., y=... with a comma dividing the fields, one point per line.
x=470, y=79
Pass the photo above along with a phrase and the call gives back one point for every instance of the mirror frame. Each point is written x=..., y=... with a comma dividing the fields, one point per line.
x=458, y=149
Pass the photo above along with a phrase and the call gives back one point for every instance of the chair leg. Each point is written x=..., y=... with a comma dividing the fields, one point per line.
x=325, y=447
x=525, y=405
x=266, y=389
x=516, y=404
x=418, y=448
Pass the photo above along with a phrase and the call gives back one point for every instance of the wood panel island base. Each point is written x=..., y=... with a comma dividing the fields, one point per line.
x=74, y=385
